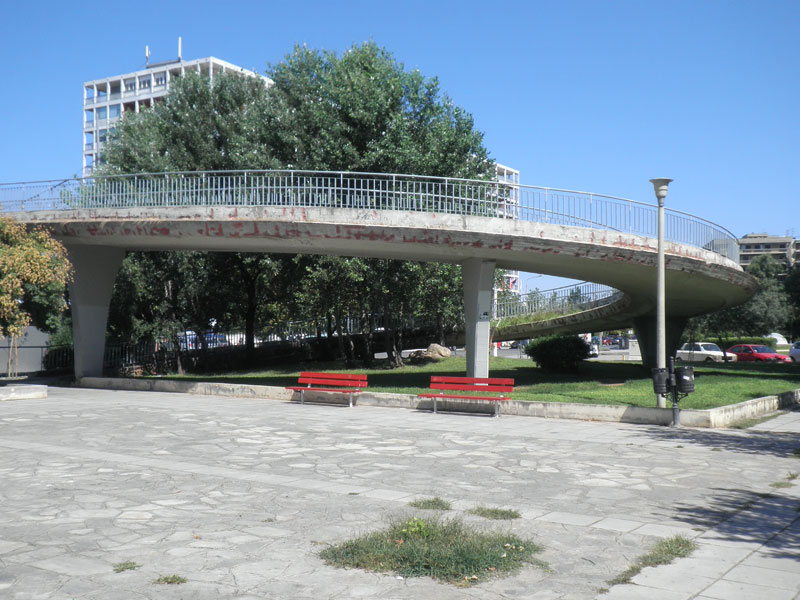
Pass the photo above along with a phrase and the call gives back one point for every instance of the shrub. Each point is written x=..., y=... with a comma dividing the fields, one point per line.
x=560, y=353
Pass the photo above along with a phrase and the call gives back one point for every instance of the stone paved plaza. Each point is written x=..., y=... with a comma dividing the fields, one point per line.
x=239, y=496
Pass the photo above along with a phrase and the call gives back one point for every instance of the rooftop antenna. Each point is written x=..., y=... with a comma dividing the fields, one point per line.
x=179, y=49
x=147, y=55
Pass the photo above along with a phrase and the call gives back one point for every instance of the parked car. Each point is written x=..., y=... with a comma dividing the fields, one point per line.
x=187, y=340
x=753, y=352
x=594, y=350
x=794, y=352
x=702, y=352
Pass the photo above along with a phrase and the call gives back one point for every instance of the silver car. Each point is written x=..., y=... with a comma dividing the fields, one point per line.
x=703, y=352
x=794, y=352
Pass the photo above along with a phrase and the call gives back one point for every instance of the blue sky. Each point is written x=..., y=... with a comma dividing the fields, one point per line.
x=596, y=96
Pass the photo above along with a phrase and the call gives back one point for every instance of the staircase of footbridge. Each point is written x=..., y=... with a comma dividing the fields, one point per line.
x=481, y=225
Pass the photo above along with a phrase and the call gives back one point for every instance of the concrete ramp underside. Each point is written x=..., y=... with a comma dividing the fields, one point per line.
x=698, y=281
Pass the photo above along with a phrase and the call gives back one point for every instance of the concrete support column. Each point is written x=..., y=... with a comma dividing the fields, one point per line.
x=95, y=268
x=645, y=328
x=478, y=278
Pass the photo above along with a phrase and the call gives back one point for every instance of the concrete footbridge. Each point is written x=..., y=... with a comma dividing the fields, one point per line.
x=481, y=225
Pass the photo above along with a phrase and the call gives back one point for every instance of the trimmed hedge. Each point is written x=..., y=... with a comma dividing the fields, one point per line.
x=558, y=353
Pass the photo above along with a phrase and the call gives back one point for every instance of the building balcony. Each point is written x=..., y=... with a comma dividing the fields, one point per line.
x=88, y=147
x=88, y=101
x=88, y=125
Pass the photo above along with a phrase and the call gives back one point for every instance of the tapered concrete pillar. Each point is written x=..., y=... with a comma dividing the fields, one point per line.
x=95, y=268
x=478, y=278
x=645, y=328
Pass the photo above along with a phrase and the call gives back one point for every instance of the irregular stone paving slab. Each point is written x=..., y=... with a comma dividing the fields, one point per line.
x=239, y=496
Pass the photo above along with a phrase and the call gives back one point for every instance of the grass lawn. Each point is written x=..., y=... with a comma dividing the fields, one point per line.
x=597, y=383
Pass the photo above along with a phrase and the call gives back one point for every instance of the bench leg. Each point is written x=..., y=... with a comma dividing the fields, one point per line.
x=351, y=399
x=434, y=405
x=496, y=410
x=302, y=395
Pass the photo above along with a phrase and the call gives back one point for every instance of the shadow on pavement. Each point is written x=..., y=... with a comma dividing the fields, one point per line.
x=748, y=442
x=746, y=516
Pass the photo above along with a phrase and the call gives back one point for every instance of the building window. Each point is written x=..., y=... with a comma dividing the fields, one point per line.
x=160, y=79
x=130, y=85
x=101, y=113
x=114, y=111
x=102, y=136
x=144, y=82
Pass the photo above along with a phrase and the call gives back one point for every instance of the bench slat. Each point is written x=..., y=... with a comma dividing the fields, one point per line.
x=451, y=396
x=351, y=376
x=327, y=381
x=472, y=388
x=302, y=388
x=473, y=380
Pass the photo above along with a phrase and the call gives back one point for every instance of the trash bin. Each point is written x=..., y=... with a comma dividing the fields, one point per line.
x=684, y=379
x=660, y=379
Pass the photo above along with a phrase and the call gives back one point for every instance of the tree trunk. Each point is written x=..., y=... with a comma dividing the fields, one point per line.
x=176, y=341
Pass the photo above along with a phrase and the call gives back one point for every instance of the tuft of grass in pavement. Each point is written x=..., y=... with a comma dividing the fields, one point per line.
x=663, y=553
x=446, y=550
x=127, y=565
x=171, y=580
x=499, y=514
x=434, y=503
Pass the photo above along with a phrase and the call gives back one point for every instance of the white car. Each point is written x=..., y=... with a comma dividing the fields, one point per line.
x=703, y=352
x=794, y=352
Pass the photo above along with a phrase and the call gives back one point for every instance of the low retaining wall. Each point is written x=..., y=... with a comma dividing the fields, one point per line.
x=644, y=415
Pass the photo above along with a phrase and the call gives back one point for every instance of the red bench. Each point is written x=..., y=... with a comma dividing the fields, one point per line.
x=340, y=383
x=503, y=388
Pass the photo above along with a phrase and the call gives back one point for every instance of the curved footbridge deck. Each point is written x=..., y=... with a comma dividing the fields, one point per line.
x=480, y=225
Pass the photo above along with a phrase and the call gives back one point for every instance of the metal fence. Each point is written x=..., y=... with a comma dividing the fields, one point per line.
x=560, y=301
x=369, y=191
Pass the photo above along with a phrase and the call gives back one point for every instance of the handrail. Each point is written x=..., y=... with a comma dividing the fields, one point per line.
x=382, y=191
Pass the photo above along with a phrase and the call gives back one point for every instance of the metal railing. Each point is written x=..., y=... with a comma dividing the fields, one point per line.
x=372, y=191
x=559, y=301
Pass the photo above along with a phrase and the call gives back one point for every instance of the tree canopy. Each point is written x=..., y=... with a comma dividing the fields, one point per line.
x=33, y=272
x=767, y=311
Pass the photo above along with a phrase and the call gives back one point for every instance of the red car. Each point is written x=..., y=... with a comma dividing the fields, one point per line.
x=752, y=352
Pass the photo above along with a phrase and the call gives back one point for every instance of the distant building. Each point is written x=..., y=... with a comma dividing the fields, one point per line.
x=106, y=99
x=509, y=208
x=785, y=250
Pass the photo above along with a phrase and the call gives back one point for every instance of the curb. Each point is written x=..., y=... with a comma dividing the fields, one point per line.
x=22, y=392
x=722, y=416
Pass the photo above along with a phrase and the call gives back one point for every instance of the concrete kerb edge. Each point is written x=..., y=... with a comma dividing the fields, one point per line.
x=22, y=392
x=710, y=418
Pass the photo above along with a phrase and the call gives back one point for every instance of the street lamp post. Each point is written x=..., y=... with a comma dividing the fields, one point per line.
x=660, y=186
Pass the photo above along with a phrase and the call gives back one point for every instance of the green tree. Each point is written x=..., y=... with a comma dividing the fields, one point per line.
x=767, y=311
x=792, y=287
x=33, y=273
x=364, y=112
x=201, y=126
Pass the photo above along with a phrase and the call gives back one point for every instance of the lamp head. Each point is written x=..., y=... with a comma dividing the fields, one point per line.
x=660, y=186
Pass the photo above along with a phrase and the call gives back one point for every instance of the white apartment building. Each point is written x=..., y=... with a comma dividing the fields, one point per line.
x=106, y=99
x=510, y=210
x=784, y=249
